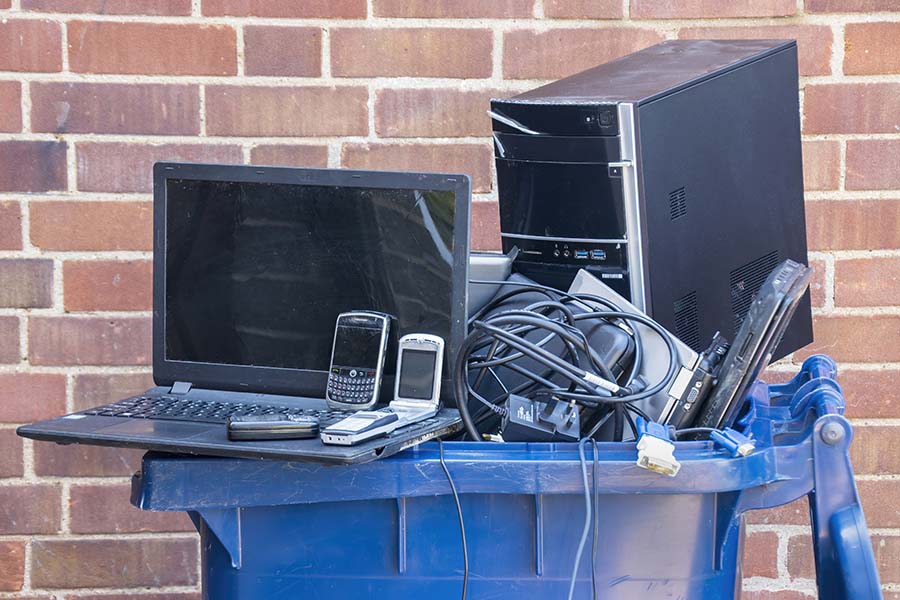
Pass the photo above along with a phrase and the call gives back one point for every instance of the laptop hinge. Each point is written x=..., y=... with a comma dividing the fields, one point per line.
x=180, y=387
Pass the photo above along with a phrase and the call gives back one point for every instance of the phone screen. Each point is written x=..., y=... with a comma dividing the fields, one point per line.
x=357, y=347
x=417, y=374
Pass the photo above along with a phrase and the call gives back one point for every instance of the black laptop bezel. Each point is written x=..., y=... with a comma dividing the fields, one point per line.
x=271, y=380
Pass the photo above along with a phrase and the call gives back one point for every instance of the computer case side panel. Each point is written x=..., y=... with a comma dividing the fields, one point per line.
x=721, y=187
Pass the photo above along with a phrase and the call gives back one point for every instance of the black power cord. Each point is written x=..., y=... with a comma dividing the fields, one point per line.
x=462, y=525
x=587, y=519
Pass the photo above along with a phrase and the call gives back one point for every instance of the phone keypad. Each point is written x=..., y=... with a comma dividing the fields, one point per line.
x=356, y=387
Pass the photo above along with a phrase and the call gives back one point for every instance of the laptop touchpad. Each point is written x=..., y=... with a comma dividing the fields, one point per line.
x=159, y=428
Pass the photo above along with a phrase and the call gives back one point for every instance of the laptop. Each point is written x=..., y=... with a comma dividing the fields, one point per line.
x=759, y=335
x=251, y=267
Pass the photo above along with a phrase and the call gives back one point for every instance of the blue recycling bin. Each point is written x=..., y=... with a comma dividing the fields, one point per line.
x=389, y=529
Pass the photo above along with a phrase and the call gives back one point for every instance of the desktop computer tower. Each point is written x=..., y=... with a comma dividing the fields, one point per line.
x=674, y=174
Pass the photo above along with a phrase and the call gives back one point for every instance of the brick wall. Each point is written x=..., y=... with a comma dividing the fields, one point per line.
x=93, y=91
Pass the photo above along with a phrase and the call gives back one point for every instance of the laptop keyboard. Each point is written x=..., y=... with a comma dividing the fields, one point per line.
x=174, y=408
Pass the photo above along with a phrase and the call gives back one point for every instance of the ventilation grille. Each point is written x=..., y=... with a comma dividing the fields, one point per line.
x=745, y=283
x=686, y=326
x=677, y=203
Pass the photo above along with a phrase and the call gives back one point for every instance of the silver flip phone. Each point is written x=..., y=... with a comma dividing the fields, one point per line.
x=420, y=360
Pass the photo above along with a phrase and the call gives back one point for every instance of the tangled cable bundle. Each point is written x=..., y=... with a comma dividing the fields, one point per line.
x=509, y=346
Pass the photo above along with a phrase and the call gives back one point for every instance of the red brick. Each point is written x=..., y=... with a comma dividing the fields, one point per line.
x=851, y=5
x=813, y=41
x=92, y=225
x=107, y=285
x=855, y=339
x=817, y=289
x=873, y=164
x=853, y=224
x=800, y=560
x=116, y=167
x=10, y=226
x=871, y=48
x=32, y=166
x=705, y=9
x=113, y=563
x=29, y=509
x=879, y=500
x=852, y=108
x=136, y=596
x=12, y=566
x=77, y=460
x=10, y=106
x=454, y=9
x=793, y=513
x=472, y=159
x=871, y=393
x=10, y=454
x=874, y=450
x=583, y=9
x=485, y=226
x=31, y=396
x=9, y=340
x=774, y=595
x=286, y=111
x=887, y=557
x=92, y=389
x=291, y=155
x=761, y=554
x=152, y=109
x=326, y=9
x=26, y=283
x=444, y=112
x=867, y=282
x=821, y=164
x=89, y=341
x=5, y=3
x=283, y=51
x=105, y=7
x=106, y=509
x=419, y=52
x=151, y=48
x=560, y=52
x=30, y=45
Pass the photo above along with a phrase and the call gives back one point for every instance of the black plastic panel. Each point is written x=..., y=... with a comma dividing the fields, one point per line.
x=733, y=144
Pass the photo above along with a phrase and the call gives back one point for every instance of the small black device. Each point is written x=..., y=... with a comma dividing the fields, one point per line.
x=694, y=385
x=531, y=421
x=272, y=427
x=361, y=426
x=357, y=360
x=757, y=339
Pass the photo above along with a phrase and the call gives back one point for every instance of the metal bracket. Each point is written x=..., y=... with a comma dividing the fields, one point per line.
x=225, y=523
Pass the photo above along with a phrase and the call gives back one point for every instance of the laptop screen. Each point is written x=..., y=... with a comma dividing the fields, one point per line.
x=256, y=273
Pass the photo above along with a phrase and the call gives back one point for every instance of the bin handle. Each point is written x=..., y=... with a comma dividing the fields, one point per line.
x=845, y=561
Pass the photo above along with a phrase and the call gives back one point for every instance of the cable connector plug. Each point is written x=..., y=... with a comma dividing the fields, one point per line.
x=656, y=451
x=735, y=442
x=532, y=421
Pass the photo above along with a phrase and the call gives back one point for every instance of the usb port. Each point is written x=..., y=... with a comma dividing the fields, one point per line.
x=598, y=254
x=582, y=254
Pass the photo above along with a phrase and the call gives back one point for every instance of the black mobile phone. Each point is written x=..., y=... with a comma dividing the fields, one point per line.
x=357, y=360
x=272, y=427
